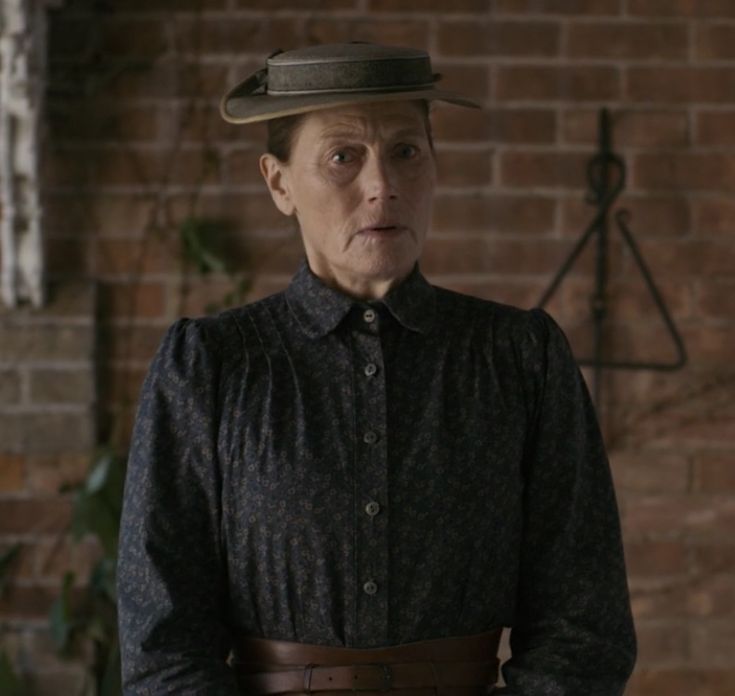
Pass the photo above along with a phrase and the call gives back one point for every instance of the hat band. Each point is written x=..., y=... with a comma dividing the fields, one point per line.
x=326, y=77
x=392, y=88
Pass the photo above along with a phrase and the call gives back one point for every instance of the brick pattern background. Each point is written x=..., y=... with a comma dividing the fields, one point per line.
x=135, y=146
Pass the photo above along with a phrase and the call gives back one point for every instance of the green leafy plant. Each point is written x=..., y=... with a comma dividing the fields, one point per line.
x=10, y=683
x=93, y=616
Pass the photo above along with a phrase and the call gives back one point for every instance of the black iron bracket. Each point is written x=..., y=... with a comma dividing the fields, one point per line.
x=606, y=176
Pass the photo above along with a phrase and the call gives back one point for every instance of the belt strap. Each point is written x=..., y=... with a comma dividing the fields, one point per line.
x=457, y=666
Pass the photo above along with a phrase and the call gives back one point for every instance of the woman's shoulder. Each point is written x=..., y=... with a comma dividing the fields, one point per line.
x=499, y=319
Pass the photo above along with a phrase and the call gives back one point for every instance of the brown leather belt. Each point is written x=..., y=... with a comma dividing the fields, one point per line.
x=456, y=666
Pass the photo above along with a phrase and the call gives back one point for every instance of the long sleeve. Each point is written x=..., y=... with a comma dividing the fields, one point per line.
x=573, y=634
x=171, y=578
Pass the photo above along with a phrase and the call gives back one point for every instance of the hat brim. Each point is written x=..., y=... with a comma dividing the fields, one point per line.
x=263, y=107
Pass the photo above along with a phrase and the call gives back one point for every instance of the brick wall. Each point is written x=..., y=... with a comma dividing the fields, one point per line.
x=135, y=146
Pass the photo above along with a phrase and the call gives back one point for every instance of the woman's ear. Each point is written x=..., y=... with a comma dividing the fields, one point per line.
x=275, y=174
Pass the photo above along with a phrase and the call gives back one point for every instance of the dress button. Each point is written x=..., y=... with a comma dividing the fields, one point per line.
x=370, y=437
x=369, y=315
x=370, y=587
x=371, y=369
x=372, y=508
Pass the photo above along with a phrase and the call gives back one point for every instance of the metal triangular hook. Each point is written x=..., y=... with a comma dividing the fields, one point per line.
x=606, y=175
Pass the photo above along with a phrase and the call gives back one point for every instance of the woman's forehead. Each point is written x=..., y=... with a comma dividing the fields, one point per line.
x=371, y=118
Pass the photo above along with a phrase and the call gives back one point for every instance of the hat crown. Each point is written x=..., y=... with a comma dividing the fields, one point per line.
x=348, y=67
x=344, y=53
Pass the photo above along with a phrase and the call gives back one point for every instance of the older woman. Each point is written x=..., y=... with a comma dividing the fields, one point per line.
x=357, y=482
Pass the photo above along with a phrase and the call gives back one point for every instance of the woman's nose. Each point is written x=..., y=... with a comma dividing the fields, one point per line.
x=379, y=178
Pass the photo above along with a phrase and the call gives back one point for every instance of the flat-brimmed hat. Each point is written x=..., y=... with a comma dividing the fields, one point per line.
x=329, y=75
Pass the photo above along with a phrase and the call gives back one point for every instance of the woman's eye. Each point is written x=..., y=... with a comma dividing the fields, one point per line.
x=342, y=157
x=407, y=151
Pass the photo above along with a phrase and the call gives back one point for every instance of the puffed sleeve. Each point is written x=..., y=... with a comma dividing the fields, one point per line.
x=171, y=574
x=573, y=633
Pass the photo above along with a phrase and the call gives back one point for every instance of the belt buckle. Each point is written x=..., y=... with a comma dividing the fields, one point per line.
x=387, y=677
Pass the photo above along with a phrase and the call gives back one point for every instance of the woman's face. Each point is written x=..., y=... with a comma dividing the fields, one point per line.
x=361, y=182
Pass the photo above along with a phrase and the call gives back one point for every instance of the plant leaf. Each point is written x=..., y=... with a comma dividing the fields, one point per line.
x=10, y=683
x=60, y=615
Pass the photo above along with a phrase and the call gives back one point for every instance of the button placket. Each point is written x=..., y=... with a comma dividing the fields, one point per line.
x=371, y=477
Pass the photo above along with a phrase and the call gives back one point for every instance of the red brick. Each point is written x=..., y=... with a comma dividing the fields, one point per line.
x=103, y=214
x=661, y=642
x=473, y=255
x=241, y=166
x=233, y=35
x=130, y=167
x=690, y=680
x=67, y=259
x=699, y=517
x=714, y=41
x=702, y=597
x=63, y=431
x=549, y=83
x=714, y=217
x=628, y=40
x=497, y=214
x=254, y=212
x=120, y=385
x=71, y=299
x=461, y=125
x=468, y=79
x=717, y=299
x=49, y=386
x=549, y=169
x=523, y=126
x=12, y=473
x=181, y=5
x=629, y=300
x=106, y=121
x=681, y=8
x=150, y=37
x=169, y=79
x=9, y=387
x=650, y=216
x=517, y=292
x=715, y=128
x=653, y=559
x=715, y=473
x=462, y=168
x=713, y=558
x=134, y=257
x=194, y=122
x=713, y=642
x=680, y=85
x=49, y=474
x=123, y=342
x=562, y=7
x=34, y=516
x=427, y=6
x=271, y=5
x=56, y=557
x=709, y=172
x=27, y=602
x=69, y=38
x=336, y=30
x=73, y=679
x=649, y=472
x=648, y=129
x=498, y=38
x=141, y=300
x=688, y=258
x=42, y=343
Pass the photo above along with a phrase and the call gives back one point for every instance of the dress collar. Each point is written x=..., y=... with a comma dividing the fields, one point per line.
x=319, y=309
